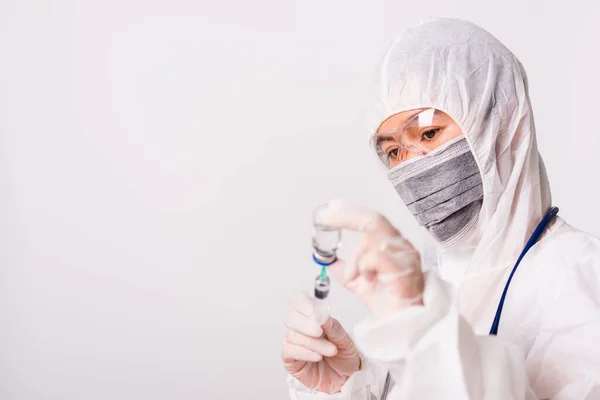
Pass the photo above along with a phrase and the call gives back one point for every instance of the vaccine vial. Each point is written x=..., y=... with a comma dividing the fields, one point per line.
x=326, y=240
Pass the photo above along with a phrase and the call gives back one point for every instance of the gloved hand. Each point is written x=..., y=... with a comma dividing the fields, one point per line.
x=387, y=270
x=321, y=357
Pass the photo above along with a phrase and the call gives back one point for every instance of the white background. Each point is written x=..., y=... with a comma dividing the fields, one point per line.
x=159, y=162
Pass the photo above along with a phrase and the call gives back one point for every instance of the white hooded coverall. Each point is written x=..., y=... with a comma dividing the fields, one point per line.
x=548, y=345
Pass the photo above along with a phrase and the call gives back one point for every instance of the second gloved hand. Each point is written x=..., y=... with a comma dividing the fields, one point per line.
x=387, y=272
x=321, y=357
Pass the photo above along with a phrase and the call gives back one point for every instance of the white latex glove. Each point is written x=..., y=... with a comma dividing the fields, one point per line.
x=321, y=357
x=387, y=270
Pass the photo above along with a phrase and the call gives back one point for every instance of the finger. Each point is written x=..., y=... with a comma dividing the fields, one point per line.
x=304, y=304
x=358, y=284
x=295, y=357
x=368, y=242
x=382, y=267
x=318, y=345
x=336, y=334
x=303, y=324
x=402, y=253
x=346, y=272
x=337, y=270
x=368, y=264
x=340, y=215
x=293, y=352
x=386, y=278
x=351, y=272
x=375, y=261
x=396, y=245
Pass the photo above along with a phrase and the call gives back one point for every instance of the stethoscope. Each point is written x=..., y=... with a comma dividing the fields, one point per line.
x=535, y=236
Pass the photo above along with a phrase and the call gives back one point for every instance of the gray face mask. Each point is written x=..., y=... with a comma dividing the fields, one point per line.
x=442, y=189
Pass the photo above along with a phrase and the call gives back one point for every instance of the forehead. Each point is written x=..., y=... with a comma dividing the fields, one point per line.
x=400, y=120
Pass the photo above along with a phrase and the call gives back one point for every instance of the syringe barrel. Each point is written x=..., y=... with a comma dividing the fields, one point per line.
x=321, y=302
x=322, y=287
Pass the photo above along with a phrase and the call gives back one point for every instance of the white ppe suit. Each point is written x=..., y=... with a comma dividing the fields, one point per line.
x=547, y=345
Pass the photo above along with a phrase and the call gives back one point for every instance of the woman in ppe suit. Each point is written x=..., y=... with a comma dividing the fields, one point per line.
x=454, y=129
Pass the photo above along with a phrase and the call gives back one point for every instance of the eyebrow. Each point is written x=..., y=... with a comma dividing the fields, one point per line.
x=383, y=138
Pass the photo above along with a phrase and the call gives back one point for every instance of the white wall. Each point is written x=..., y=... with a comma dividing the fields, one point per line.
x=159, y=162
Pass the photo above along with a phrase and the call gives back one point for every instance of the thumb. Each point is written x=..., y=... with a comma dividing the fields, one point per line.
x=338, y=270
x=354, y=217
x=344, y=274
x=336, y=334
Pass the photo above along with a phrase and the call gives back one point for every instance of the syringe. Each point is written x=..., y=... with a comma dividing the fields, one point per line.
x=321, y=293
x=326, y=241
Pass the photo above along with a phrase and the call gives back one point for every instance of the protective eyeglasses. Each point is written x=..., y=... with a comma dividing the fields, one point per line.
x=416, y=135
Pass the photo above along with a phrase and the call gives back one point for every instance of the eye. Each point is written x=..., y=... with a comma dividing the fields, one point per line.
x=392, y=153
x=430, y=134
